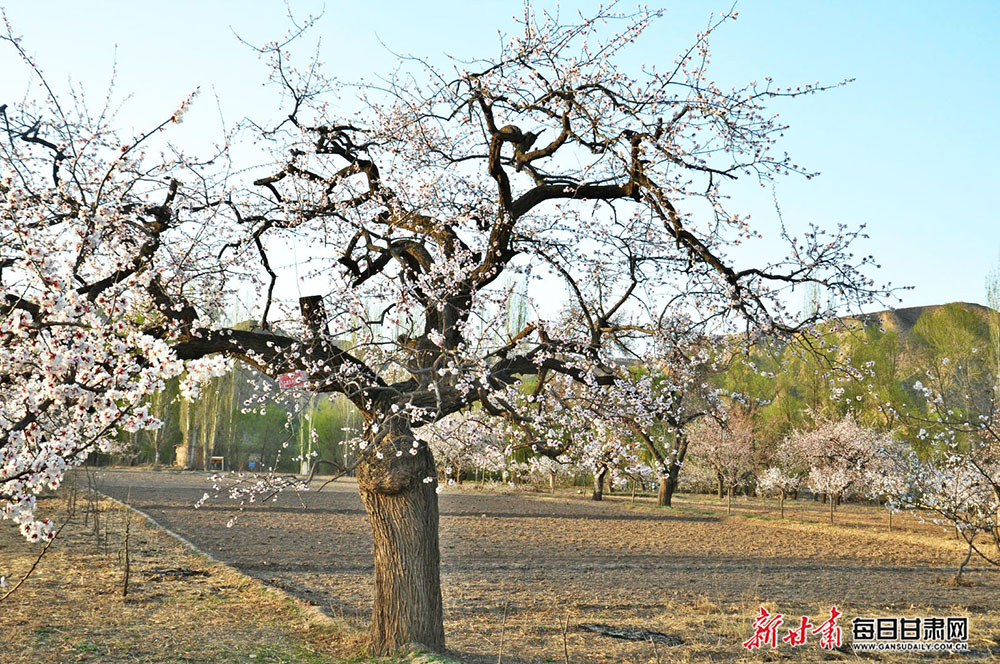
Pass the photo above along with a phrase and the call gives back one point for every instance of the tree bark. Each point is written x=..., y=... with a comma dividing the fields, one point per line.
x=668, y=484
x=403, y=512
x=599, y=483
x=720, y=486
x=961, y=568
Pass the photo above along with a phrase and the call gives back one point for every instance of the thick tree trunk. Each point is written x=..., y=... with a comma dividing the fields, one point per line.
x=668, y=484
x=599, y=483
x=721, y=485
x=403, y=511
x=665, y=493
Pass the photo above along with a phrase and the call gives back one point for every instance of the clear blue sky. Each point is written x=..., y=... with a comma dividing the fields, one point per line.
x=912, y=148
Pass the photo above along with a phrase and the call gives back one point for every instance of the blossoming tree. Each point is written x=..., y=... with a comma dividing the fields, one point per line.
x=116, y=252
x=730, y=446
x=839, y=454
x=957, y=478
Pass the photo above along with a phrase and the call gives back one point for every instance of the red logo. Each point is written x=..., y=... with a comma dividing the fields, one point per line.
x=765, y=629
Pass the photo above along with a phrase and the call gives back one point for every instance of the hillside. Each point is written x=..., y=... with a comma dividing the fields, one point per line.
x=953, y=347
x=920, y=337
x=968, y=316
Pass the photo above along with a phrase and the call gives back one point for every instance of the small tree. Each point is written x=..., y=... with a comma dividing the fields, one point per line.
x=780, y=481
x=727, y=447
x=837, y=453
x=958, y=478
x=679, y=394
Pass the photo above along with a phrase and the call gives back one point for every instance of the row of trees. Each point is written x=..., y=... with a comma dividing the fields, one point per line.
x=233, y=416
x=901, y=409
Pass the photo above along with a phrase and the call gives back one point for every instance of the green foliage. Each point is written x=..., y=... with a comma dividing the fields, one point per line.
x=220, y=423
x=336, y=422
x=869, y=366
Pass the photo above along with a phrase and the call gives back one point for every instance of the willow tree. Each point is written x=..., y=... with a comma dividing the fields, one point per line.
x=117, y=255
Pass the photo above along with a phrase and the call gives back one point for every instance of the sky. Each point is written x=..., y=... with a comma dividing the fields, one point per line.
x=909, y=148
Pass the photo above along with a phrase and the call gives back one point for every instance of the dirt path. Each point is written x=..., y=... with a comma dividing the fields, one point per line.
x=688, y=571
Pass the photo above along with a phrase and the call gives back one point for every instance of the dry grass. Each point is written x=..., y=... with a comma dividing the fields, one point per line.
x=180, y=607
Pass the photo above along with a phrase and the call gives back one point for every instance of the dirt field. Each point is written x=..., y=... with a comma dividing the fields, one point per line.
x=690, y=571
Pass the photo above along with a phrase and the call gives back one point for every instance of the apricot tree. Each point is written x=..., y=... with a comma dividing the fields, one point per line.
x=117, y=252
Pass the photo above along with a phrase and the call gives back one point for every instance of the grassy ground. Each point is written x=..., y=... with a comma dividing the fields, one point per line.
x=180, y=606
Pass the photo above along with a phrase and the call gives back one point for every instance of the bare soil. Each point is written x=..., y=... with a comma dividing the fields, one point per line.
x=555, y=562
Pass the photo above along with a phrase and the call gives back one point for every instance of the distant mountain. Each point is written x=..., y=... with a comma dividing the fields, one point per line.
x=955, y=346
x=926, y=335
x=905, y=320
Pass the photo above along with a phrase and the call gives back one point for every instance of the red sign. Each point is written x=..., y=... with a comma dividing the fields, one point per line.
x=293, y=379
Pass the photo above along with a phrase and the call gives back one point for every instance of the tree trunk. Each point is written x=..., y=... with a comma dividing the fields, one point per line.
x=403, y=512
x=961, y=568
x=666, y=490
x=781, y=503
x=729, y=503
x=599, y=483
x=996, y=495
x=668, y=484
x=720, y=486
